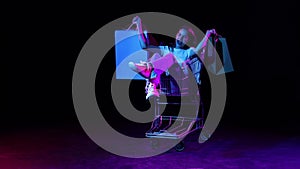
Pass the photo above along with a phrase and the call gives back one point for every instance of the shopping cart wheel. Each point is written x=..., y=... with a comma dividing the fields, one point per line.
x=180, y=146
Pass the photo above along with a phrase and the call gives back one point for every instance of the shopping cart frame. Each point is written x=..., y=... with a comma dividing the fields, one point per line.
x=173, y=126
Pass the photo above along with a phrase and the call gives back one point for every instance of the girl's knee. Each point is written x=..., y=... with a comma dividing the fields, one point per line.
x=155, y=56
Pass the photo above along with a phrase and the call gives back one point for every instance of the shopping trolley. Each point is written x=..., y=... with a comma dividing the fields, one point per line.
x=177, y=127
x=175, y=93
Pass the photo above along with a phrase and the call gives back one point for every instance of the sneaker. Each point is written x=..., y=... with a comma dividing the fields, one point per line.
x=152, y=90
x=142, y=68
x=147, y=85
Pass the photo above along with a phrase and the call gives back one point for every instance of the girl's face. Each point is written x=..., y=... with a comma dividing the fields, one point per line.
x=182, y=38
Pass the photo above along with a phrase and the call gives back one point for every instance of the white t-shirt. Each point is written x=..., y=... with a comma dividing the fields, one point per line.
x=181, y=55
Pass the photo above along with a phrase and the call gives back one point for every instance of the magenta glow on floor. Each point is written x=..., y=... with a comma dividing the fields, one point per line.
x=64, y=147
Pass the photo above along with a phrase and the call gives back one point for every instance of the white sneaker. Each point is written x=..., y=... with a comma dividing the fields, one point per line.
x=147, y=85
x=151, y=90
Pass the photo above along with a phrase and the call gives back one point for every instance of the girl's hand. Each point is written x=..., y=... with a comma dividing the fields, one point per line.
x=136, y=20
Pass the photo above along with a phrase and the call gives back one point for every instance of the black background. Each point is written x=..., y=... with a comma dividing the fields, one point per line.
x=42, y=42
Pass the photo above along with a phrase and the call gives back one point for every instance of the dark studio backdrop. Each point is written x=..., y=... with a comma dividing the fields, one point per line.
x=42, y=44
